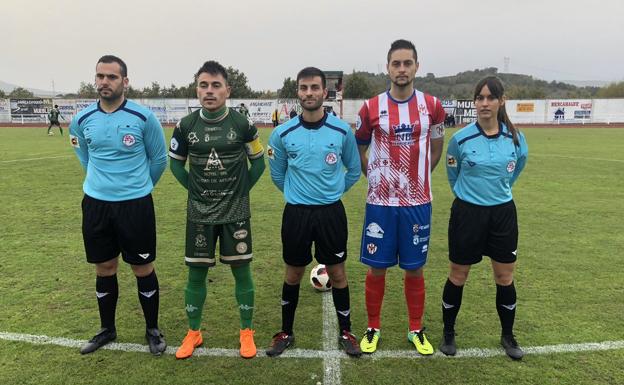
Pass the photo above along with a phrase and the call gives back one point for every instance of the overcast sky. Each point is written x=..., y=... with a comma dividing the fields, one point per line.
x=60, y=41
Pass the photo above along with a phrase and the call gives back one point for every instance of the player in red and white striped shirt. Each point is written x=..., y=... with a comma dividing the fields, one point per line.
x=403, y=131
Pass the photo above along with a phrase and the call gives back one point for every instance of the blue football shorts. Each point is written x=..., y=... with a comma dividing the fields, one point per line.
x=394, y=235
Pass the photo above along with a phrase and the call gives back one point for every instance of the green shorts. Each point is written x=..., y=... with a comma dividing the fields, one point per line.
x=234, y=243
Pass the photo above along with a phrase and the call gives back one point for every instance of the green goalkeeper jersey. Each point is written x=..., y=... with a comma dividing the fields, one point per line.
x=217, y=151
x=54, y=115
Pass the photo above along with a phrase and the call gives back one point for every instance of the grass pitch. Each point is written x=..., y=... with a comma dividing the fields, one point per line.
x=569, y=276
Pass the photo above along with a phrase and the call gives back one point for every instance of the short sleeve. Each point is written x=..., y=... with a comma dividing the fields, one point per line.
x=363, y=129
x=437, y=119
x=178, y=146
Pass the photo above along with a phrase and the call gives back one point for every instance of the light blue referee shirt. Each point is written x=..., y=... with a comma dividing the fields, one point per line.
x=308, y=160
x=481, y=169
x=123, y=152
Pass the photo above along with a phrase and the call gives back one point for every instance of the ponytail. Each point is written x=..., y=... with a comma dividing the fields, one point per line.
x=504, y=118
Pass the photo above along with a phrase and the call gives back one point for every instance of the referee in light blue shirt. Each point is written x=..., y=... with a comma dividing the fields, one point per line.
x=121, y=146
x=483, y=161
x=308, y=156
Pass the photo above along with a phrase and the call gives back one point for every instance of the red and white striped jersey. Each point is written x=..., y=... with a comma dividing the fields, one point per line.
x=399, y=134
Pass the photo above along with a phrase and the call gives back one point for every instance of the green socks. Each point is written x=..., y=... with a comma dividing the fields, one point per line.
x=195, y=295
x=244, y=291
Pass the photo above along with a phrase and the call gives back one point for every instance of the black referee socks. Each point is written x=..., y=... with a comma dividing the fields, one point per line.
x=506, y=307
x=107, y=292
x=149, y=298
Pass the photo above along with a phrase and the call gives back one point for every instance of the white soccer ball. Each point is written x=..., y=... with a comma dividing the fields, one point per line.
x=50, y=133
x=319, y=279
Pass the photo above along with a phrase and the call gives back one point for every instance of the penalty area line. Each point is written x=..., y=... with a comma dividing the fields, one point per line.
x=31, y=159
x=330, y=355
x=579, y=157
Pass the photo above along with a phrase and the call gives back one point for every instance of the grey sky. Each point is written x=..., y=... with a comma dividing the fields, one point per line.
x=166, y=41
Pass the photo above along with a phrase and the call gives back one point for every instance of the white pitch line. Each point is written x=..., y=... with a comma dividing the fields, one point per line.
x=334, y=355
x=580, y=158
x=331, y=365
x=30, y=159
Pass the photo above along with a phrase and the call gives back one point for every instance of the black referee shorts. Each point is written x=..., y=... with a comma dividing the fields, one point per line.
x=475, y=231
x=126, y=227
x=323, y=225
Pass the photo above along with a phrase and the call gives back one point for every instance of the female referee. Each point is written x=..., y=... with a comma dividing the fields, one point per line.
x=483, y=161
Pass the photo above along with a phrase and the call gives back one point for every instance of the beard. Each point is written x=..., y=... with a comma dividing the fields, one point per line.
x=112, y=94
x=311, y=107
x=403, y=83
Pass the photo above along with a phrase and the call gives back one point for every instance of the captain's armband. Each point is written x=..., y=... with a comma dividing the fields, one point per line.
x=254, y=149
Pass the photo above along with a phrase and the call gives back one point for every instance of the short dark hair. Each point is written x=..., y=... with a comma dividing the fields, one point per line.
x=114, y=59
x=402, y=44
x=310, y=72
x=56, y=106
x=214, y=68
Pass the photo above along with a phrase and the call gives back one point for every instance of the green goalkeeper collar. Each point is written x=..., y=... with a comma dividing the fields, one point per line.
x=214, y=116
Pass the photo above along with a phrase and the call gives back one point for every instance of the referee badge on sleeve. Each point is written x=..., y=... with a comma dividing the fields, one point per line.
x=450, y=161
x=270, y=152
x=74, y=141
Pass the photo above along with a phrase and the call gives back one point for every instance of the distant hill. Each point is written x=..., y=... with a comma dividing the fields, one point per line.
x=8, y=87
x=461, y=86
x=588, y=83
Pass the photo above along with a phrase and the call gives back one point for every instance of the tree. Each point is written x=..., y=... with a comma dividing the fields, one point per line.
x=189, y=92
x=20, y=93
x=267, y=94
x=87, y=91
x=238, y=82
x=613, y=90
x=133, y=93
x=171, y=92
x=152, y=92
x=2, y=94
x=357, y=86
x=288, y=90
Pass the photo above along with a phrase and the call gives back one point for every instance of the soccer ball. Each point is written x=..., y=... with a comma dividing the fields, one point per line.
x=319, y=278
x=50, y=133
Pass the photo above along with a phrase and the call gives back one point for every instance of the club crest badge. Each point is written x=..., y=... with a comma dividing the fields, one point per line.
x=231, y=136
x=192, y=138
x=201, y=241
x=511, y=166
x=241, y=247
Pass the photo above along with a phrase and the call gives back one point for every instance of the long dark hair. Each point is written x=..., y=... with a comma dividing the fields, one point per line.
x=495, y=86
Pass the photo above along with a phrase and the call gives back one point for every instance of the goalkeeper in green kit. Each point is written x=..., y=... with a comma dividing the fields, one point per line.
x=218, y=142
x=54, y=115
